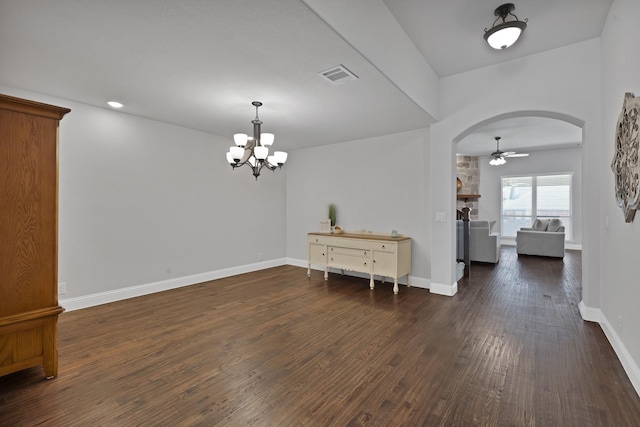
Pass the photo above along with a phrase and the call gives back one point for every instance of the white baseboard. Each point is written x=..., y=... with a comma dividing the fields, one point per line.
x=85, y=301
x=441, y=289
x=420, y=282
x=630, y=366
x=567, y=245
x=299, y=263
x=589, y=314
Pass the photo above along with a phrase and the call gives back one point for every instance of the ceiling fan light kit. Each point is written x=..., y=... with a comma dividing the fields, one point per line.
x=506, y=33
x=254, y=151
x=498, y=156
x=497, y=161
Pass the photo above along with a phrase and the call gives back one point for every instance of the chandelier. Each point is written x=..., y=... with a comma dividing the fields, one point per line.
x=506, y=33
x=254, y=151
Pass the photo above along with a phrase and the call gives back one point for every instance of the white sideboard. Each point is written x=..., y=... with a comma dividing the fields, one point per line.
x=372, y=254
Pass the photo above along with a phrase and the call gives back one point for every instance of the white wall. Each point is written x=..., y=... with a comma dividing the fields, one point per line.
x=142, y=201
x=620, y=241
x=565, y=160
x=377, y=184
x=561, y=83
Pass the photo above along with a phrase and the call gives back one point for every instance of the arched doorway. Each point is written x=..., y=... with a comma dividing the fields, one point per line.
x=444, y=137
x=543, y=146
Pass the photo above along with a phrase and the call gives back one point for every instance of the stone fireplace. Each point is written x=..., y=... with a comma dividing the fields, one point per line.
x=469, y=173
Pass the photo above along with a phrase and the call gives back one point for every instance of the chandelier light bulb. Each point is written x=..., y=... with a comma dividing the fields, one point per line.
x=260, y=152
x=266, y=139
x=240, y=139
x=236, y=153
x=281, y=157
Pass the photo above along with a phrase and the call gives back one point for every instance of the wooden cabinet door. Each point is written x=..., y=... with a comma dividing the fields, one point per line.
x=28, y=219
x=317, y=254
x=384, y=264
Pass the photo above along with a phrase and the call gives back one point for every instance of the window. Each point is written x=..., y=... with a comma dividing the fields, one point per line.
x=526, y=198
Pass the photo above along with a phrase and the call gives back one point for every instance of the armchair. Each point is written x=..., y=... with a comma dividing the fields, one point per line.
x=484, y=245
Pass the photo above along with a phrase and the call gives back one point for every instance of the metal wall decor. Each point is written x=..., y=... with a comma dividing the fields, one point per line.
x=625, y=164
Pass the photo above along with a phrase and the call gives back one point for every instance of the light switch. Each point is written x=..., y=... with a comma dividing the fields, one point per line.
x=440, y=216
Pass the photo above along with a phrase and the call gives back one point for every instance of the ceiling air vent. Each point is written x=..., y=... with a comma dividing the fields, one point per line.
x=338, y=75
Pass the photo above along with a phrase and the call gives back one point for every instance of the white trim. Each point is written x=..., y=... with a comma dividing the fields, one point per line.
x=507, y=241
x=589, y=314
x=510, y=241
x=420, y=282
x=299, y=263
x=447, y=290
x=85, y=301
x=630, y=366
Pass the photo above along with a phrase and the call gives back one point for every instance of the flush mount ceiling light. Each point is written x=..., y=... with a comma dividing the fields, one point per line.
x=254, y=151
x=115, y=104
x=506, y=33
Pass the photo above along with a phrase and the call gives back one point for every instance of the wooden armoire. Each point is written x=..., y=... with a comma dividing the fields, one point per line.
x=29, y=235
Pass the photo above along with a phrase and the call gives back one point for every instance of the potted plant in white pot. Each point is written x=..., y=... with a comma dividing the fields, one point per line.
x=332, y=216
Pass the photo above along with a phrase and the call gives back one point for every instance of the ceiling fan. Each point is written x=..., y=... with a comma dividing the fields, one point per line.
x=498, y=157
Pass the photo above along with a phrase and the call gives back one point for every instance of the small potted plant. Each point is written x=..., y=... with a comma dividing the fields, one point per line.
x=332, y=216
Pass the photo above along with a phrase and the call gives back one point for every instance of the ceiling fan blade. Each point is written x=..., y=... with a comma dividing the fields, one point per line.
x=514, y=154
x=508, y=153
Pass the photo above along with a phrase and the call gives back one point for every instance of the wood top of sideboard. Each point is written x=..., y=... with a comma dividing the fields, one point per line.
x=367, y=236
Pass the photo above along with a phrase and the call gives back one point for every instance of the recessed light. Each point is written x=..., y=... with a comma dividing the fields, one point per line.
x=115, y=104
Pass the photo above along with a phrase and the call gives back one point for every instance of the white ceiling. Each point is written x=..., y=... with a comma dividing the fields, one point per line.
x=200, y=63
x=450, y=33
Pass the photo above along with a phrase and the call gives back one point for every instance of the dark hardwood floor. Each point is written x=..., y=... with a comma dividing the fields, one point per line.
x=274, y=348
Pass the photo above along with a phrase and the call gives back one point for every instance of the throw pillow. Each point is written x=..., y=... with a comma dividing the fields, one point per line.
x=540, y=225
x=554, y=225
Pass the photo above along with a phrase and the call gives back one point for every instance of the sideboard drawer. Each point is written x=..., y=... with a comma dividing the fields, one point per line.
x=349, y=251
x=386, y=246
x=350, y=262
x=321, y=240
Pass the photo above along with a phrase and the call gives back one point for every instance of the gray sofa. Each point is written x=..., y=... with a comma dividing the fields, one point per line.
x=544, y=238
x=484, y=245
